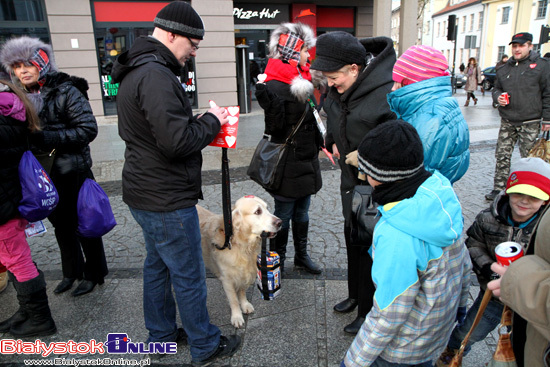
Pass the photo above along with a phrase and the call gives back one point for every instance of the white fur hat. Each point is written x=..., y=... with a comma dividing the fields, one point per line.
x=303, y=31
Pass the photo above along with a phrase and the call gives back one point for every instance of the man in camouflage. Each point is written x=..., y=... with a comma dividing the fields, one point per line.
x=526, y=79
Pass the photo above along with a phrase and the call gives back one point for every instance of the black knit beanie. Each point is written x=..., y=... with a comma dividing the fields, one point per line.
x=180, y=18
x=390, y=152
x=337, y=49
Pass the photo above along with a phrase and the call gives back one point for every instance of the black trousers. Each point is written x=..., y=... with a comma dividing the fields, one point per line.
x=81, y=257
x=360, y=284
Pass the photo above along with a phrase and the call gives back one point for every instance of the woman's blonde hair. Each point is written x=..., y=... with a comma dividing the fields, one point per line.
x=33, y=122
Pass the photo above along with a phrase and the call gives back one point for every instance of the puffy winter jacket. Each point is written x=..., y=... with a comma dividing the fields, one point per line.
x=490, y=228
x=284, y=106
x=68, y=123
x=430, y=107
x=162, y=168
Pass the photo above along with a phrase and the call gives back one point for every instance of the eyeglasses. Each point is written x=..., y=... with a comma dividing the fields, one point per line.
x=195, y=46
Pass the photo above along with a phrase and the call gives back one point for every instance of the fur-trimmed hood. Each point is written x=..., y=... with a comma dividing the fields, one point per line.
x=304, y=32
x=22, y=49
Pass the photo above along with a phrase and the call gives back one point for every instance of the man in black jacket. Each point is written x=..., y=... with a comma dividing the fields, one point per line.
x=161, y=179
x=525, y=77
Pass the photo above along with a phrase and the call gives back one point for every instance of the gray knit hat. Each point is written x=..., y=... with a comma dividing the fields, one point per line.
x=337, y=49
x=180, y=18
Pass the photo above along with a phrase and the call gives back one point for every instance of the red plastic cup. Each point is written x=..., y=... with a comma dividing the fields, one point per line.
x=508, y=252
x=506, y=97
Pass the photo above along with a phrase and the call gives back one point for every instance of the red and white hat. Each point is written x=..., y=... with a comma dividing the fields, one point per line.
x=530, y=176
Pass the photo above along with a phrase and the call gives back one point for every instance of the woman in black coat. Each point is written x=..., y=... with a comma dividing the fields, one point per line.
x=68, y=126
x=17, y=120
x=284, y=98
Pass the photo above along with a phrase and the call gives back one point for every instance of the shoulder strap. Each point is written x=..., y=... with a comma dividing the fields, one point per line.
x=297, y=126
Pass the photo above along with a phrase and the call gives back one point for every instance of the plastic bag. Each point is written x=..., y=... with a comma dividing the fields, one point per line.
x=39, y=195
x=95, y=216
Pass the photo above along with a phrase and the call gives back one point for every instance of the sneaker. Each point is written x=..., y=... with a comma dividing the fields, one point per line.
x=446, y=357
x=3, y=281
x=492, y=195
x=227, y=347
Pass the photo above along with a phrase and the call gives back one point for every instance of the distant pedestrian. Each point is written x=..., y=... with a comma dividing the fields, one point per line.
x=421, y=267
x=284, y=98
x=68, y=125
x=502, y=61
x=359, y=77
x=473, y=74
x=422, y=96
x=161, y=179
x=525, y=78
x=462, y=68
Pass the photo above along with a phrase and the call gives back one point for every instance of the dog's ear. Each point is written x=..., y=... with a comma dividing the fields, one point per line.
x=237, y=218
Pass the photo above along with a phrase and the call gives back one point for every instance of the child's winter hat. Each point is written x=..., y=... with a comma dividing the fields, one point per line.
x=180, y=18
x=419, y=63
x=530, y=176
x=392, y=151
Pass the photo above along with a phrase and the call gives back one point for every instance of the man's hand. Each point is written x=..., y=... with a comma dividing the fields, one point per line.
x=502, y=101
x=494, y=285
x=220, y=113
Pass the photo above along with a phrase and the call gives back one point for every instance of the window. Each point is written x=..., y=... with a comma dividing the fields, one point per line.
x=480, y=24
x=428, y=27
x=470, y=42
x=463, y=24
x=23, y=17
x=541, y=11
x=438, y=34
x=505, y=14
x=472, y=22
x=501, y=50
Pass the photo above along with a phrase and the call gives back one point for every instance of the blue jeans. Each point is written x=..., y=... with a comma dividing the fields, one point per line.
x=296, y=210
x=174, y=259
x=489, y=321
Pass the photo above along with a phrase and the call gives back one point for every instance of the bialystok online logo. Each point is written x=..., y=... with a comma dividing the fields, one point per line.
x=117, y=343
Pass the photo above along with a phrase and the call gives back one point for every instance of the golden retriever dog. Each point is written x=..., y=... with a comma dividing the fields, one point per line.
x=236, y=267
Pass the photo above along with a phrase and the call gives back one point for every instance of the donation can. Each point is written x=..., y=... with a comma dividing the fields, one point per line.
x=506, y=97
x=273, y=274
x=508, y=252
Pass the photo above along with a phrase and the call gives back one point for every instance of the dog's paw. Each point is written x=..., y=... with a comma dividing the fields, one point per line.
x=237, y=321
x=247, y=307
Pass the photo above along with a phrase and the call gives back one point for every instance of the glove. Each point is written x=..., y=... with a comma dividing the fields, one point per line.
x=351, y=158
x=461, y=315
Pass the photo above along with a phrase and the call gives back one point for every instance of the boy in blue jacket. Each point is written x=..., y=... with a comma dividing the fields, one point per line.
x=421, y=267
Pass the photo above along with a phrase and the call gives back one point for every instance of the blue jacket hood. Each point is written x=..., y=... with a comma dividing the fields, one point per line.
x=436, y=203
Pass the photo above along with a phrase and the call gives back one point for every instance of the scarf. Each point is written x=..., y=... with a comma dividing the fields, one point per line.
x=399, y=190
x=41, y=60
x=284, y=72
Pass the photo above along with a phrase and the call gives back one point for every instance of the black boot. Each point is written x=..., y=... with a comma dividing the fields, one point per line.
x=33, y=299
x=301, y=257
x=278, y=244
x=19, y=316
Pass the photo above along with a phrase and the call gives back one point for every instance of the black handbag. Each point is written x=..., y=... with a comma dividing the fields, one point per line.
x=268, y=162
x=364, y=216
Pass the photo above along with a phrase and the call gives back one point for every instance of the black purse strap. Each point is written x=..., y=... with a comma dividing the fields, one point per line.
x=297, y=126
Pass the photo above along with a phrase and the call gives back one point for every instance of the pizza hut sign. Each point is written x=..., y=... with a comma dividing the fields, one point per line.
x=260, y=14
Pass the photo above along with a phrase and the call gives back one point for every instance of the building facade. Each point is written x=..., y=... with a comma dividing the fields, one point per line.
x=88, y=35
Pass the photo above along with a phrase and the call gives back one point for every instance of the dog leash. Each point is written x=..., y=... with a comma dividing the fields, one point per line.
x=226, y=201
x=263, y=267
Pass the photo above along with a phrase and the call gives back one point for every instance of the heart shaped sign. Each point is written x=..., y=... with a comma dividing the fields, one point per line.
x=232, y=120
x=233, y=111
x=261, y=77
x=230, y=140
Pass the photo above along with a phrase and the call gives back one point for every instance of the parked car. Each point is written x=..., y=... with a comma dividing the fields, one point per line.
x=489, y=75
x=460, y=80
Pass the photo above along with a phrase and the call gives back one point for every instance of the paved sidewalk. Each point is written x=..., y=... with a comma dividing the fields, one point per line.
x=297, y=329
